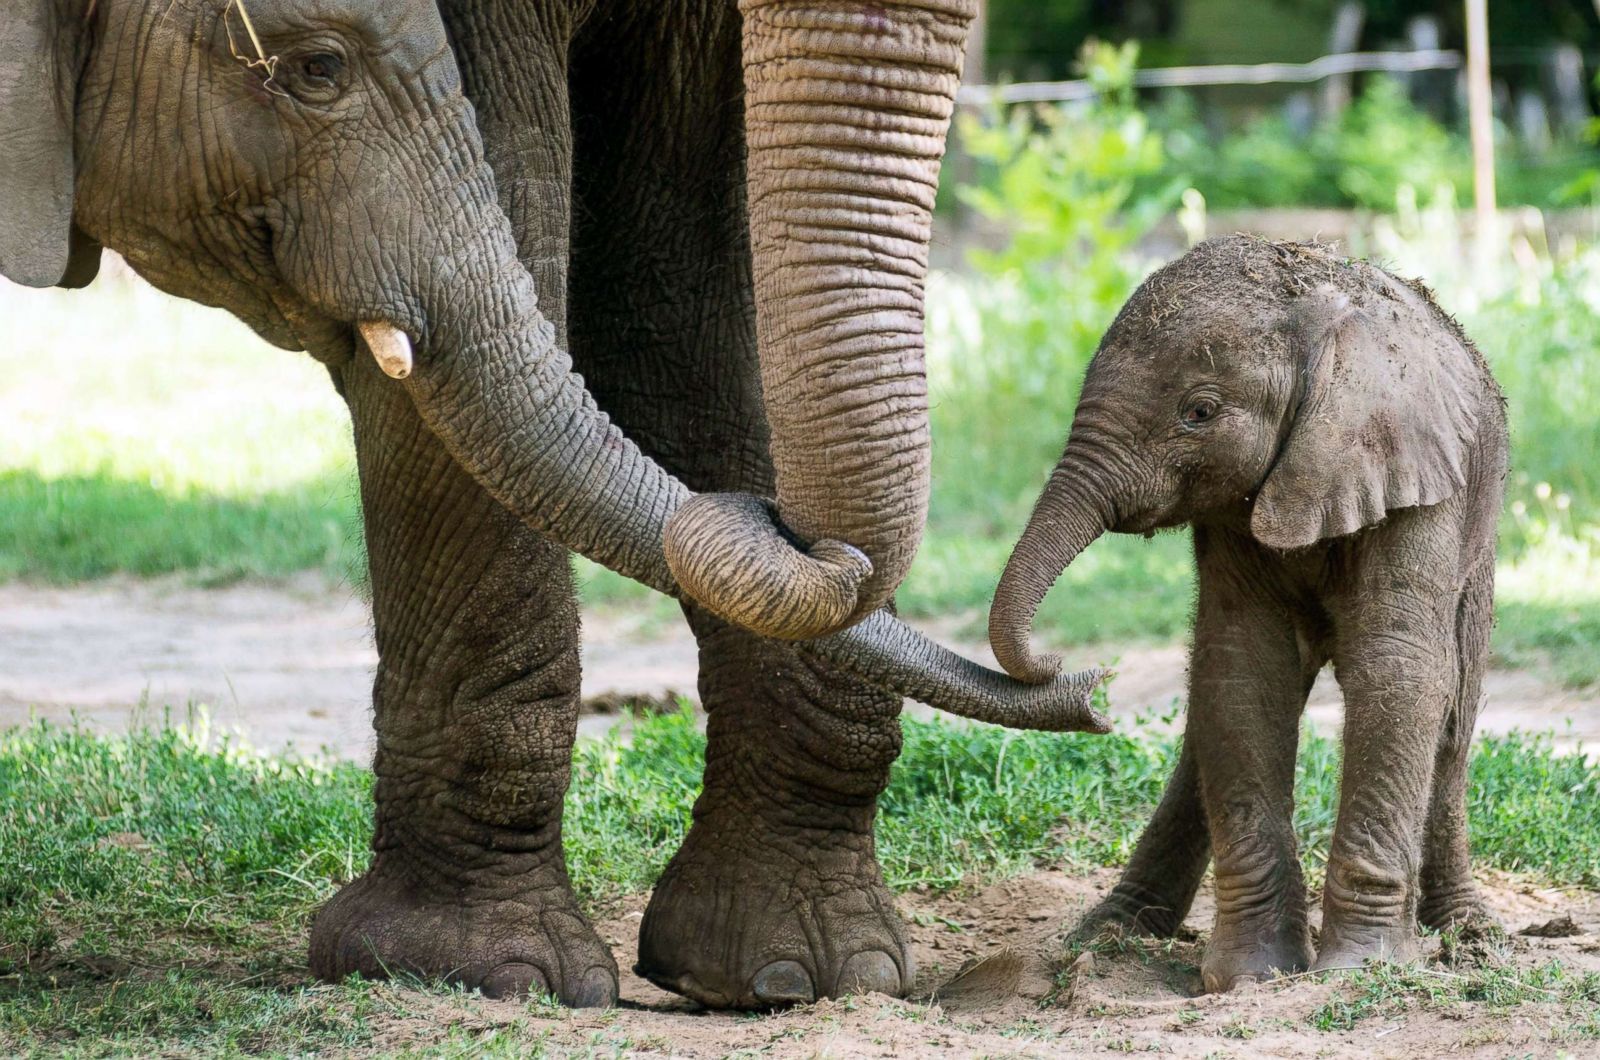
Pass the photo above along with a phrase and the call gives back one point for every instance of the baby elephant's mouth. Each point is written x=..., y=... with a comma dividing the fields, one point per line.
x=1146, y=524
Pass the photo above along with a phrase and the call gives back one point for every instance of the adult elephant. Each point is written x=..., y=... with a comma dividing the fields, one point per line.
x=316, y=168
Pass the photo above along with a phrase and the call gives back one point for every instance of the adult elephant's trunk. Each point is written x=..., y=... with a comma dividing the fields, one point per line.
x=492, y=382
x=847, y=108
x=500, y=392
x=1072, y=511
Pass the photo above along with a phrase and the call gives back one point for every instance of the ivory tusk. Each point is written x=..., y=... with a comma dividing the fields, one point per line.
x=390, y=345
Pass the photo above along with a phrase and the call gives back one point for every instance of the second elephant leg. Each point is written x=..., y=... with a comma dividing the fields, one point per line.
x=1246, y=697
x=776, y=895
x=1159, y=883
x=1449, y=894
x=1398, y=688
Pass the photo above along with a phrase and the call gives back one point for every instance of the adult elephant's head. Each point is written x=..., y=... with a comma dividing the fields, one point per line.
x=313, y=167
x=847, y=109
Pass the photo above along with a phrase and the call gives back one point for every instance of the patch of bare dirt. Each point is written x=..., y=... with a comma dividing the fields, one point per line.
x=292, y=664
x=998, y=979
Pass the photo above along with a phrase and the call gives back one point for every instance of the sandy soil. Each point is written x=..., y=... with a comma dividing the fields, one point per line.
x=1018, y=995
x=292, y=664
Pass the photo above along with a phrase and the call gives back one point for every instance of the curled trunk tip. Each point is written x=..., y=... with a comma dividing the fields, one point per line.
x=1069, y=515
x=731, y=554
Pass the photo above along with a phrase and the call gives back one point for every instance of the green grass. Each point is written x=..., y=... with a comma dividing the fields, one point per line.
x=1390, y=991
x=157, y=888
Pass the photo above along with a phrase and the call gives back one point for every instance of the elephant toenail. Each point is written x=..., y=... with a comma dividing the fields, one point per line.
x=514, y=979
x=871, y=972
x=598, y=989
x=784, y=983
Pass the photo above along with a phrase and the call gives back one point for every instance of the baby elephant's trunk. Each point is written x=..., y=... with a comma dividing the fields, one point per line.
x=1071, y=512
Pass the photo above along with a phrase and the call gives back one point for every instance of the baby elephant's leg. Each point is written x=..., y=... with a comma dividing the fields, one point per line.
x=1397, y=663
x=1449, y=895
x=1159, y=883
x=1246, y=693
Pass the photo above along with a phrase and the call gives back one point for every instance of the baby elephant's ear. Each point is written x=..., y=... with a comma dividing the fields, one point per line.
x=1385, y=418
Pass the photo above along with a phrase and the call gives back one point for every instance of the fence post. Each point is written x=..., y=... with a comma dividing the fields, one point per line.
x=1480, y=114
x=1344, y=37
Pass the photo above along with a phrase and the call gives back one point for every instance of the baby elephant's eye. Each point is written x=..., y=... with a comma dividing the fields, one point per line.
x=1200, y=411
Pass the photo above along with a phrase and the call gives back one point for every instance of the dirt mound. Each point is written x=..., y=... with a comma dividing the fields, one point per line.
x=998, y=978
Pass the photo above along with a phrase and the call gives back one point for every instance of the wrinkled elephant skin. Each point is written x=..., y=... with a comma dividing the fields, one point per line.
x=458, y=206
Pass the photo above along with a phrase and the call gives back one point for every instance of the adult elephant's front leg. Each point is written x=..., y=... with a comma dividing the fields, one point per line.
x=776, y=895
x=475, y=701
x=476, y=695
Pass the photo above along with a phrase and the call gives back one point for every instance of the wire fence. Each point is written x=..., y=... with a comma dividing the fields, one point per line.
x=1229, y=74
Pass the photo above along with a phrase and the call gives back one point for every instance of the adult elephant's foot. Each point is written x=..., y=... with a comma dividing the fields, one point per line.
x=735, y=923
x=534, y=942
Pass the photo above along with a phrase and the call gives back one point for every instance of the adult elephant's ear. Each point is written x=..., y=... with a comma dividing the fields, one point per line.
x=1385, y=417
x=38, y=245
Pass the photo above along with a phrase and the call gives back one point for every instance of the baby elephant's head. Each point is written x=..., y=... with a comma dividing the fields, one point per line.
x=1268, y=381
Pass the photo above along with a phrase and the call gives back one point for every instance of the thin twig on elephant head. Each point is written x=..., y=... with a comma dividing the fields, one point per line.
x=267, y=64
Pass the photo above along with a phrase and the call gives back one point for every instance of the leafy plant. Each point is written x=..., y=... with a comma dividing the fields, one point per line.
x=1064, y=186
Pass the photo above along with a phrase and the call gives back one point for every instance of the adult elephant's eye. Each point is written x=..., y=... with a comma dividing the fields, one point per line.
x=322, y=67
x=318, y=77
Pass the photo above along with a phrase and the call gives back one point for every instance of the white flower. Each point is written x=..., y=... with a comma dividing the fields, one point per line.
x=1542, y=491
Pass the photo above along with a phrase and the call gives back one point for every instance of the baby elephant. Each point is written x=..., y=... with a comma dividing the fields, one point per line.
x=1339, y=447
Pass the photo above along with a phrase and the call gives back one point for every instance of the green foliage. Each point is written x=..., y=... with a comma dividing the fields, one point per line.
x=1535, y=809
x=1064, y=182
x=1382, y=142
x=1378, y=145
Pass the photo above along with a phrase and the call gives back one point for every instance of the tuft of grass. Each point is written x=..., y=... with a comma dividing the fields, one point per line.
x=1391, y=990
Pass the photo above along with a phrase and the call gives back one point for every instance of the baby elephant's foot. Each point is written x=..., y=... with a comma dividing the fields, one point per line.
x=536, y=943
x=1344, y=952
x=732, y=925
x=1461, y=909
x=1254, y=951
x=1132, y=910
x=1367, y=915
